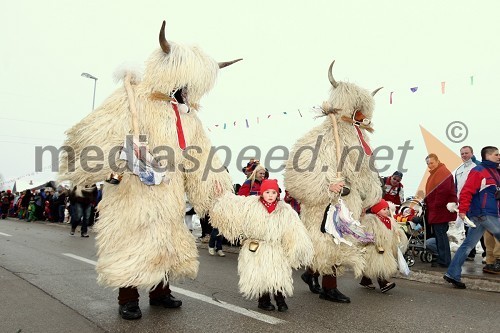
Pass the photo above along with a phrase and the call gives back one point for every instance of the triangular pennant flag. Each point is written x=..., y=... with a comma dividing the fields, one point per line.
x=390, y=97
x=444, y=153
x=442, y=87
x=414, y=89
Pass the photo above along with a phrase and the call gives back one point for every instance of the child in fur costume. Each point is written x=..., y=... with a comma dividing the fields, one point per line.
x=274, y=242
x=381, y=262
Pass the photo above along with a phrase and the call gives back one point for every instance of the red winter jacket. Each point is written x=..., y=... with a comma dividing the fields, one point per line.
x=246, y=190
x=440, y=189
x=477, y=197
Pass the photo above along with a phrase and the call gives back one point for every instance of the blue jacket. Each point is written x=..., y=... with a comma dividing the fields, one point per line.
x=477, y=197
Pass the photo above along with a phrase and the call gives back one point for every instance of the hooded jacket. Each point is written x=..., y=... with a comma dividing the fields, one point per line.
x=477, y=197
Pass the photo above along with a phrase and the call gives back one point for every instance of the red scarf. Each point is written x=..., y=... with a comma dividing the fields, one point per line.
x=269, y=206
x=385, y=220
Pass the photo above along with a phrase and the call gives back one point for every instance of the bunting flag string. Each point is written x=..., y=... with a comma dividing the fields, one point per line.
x=285, y=113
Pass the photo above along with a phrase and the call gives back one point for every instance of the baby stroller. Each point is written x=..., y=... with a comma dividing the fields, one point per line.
x=411, y=217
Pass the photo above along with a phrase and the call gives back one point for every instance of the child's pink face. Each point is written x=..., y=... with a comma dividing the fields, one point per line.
x=384, y=212
x=270, y=196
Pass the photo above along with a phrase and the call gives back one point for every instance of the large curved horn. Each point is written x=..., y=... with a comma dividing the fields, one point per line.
x=165, y=46
x=330, y=76
x=227, y=63
x=376, y=91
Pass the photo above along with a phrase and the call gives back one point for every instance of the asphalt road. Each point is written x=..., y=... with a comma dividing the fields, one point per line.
x=48, y=284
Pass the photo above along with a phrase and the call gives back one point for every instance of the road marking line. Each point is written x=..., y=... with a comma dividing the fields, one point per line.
x=230, y=307
x=1, y=233
x=88, y=261
x=206, y=299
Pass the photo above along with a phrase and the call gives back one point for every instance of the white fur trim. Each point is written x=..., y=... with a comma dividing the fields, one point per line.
x=121, y=71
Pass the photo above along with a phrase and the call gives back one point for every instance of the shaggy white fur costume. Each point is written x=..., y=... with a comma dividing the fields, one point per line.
x=308, y=175
x=283, y=243
x=141, y=236
x=383, y=265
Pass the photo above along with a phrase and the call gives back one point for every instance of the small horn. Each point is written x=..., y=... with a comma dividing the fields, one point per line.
x=330, y=76
x=165, y=46
x=227, y=63
x=376, y=91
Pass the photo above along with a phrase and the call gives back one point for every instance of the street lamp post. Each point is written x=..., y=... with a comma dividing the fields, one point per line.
x=89, y=76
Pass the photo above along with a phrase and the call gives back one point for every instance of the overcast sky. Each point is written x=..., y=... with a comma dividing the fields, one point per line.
x=287, y=47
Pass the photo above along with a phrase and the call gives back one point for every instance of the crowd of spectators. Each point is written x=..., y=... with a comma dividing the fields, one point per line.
x=46, y=204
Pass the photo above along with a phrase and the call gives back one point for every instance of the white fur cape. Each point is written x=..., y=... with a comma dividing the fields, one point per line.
x=383, y=265
x=283, y=243
x=309, y=172
x=141, y=236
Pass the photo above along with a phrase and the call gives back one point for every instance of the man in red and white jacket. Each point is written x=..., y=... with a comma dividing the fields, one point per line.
x=480, y=201
x=393, y=189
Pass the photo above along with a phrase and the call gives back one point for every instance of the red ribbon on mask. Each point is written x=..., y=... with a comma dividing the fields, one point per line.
x=364, y=144
x=178, y=125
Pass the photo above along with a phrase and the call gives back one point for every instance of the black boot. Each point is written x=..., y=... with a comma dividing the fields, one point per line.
x=265, y=302
x=334, y=295
x=128, y=299
x=312, y=282
x=161, y=296
x=280, y=302
x=385, y=285
x=167, y=301
x=130, y=310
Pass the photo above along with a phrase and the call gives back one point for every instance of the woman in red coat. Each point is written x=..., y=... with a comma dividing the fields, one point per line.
x=252, y=185
x=440, y=190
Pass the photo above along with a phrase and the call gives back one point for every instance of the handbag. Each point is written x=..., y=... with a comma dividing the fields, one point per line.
x=402, y=264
